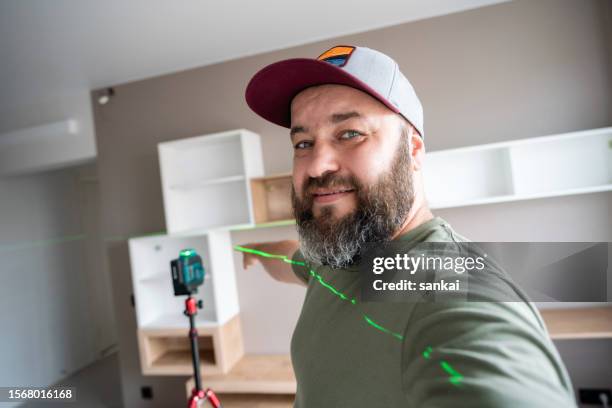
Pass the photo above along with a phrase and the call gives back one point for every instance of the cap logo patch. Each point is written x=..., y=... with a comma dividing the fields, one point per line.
x=338, y=55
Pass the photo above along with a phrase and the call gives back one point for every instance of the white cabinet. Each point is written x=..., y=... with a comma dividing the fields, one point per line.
x=205, y=180
x=571, y=163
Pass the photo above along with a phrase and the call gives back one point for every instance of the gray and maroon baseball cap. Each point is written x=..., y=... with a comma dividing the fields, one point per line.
x=271, y=90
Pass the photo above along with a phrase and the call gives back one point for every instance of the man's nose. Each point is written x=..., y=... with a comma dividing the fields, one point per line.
x=324, y=159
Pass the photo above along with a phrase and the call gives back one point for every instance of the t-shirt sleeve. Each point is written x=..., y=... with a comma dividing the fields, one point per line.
x=301, y=271
x=482, y=354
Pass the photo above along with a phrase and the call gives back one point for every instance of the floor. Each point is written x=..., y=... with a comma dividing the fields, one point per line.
x=97, y=386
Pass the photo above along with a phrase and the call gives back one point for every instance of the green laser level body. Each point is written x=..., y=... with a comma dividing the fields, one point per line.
x=187, y=272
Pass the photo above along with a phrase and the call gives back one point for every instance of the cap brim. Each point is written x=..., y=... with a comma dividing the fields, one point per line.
x=271, y=90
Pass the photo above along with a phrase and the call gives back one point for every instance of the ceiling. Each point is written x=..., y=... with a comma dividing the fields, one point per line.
x=52, y=47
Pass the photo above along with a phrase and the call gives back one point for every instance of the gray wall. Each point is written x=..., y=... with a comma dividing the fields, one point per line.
x=510, y=71
x=55, y=310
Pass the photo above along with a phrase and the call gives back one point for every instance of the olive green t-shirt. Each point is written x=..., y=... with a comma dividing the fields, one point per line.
x=348, y=353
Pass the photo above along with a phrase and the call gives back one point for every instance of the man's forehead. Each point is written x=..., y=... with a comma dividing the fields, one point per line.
x=332, y=118
x=333, y=104
x=332, y=92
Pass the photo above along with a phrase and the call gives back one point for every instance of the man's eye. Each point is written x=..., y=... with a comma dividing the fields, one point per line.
x=302, y=145
x=350, y=134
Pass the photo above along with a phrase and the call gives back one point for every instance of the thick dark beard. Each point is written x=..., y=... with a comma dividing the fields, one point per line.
x=381, y=209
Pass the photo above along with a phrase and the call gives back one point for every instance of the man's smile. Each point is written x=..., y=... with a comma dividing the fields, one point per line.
x=324, y=196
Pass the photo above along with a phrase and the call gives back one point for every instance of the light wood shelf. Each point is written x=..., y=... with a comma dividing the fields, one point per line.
x=168, y=351
x=579, y=323
x=255, y=374
x=272, y=198
x=255, y=400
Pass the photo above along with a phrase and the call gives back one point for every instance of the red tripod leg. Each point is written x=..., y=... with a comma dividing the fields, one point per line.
x=214, y=401
x=196, y=396
x=208, y=395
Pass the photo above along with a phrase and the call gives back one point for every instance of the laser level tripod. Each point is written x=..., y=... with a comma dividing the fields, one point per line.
x=187, y=275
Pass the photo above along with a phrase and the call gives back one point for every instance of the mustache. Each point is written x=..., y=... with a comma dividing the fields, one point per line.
x=329, y=180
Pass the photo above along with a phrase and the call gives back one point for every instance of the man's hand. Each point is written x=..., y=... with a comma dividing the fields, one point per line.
x=276, y=268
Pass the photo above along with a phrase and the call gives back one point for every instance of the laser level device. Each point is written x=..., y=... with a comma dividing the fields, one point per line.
x=187, y=272
x=187, y=275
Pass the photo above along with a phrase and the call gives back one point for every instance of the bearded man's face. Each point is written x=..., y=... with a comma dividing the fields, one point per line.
x=352, y=179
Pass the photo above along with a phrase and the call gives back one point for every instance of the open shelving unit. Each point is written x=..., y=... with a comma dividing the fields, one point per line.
x=566, y=164
x=205, y=180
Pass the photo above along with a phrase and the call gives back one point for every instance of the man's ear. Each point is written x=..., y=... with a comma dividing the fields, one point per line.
x=417, y=149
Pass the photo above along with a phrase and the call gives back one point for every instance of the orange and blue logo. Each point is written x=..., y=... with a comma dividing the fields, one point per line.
x=338, y=55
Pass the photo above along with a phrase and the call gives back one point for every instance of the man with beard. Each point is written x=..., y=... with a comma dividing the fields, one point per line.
x=356, y=126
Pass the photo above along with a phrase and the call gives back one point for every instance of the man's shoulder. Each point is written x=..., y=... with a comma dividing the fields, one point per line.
x=434, y=230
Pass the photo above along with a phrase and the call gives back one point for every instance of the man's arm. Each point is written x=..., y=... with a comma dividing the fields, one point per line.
x=482, y=354
x=276, y=268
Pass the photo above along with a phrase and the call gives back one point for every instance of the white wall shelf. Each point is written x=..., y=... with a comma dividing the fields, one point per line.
x=571, y=163
x=205, y=180
x=205, y=183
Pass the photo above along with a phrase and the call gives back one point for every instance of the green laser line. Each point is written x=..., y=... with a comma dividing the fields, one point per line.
x=19, y=246
x=330, y=287
x=383, y=329
x=322, y=281
x=42, y=242
x=455, y=376
x=265, y=254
